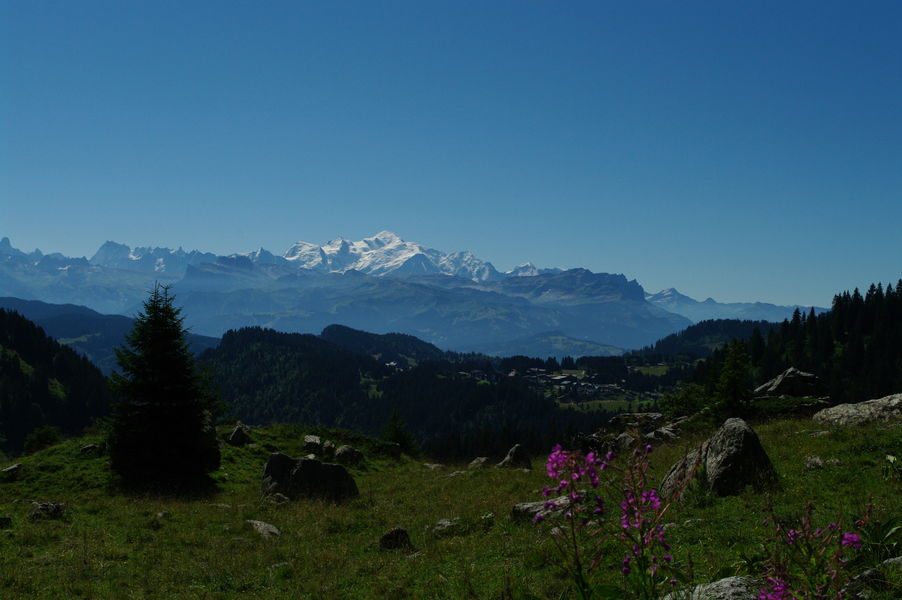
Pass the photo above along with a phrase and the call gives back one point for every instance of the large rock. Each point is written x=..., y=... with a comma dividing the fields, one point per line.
x=792, y=382
x=307, y=478
x=240, y=436
x=516, y=458
x=732, y=459
x=731, y=588
x=888, y=408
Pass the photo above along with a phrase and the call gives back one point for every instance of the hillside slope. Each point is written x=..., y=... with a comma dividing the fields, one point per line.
x=43, y=383
x=89, y=332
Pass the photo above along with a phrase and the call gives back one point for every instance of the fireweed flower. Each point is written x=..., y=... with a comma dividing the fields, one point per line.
x=850, y=539
x=591, y=486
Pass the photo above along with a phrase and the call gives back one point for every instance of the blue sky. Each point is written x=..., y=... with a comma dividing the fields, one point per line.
x=735, y=150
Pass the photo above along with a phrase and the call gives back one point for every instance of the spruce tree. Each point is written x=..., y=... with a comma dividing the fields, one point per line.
x=162, y=429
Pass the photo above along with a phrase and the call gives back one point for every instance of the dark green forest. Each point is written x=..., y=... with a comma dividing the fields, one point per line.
x=855, y=348
x=44, y=384
x=264, y=376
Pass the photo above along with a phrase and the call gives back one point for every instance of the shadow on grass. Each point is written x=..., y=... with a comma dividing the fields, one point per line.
x=200, y=488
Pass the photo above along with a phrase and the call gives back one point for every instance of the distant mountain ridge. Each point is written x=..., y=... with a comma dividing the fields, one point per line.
x=696, y=311
x=383, y=284
x=90, y=333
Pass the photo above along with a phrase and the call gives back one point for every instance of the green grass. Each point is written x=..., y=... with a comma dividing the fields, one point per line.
x=111, y=544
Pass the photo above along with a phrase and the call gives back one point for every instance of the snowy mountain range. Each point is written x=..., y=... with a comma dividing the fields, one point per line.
x=673, y=301
x=382, y=284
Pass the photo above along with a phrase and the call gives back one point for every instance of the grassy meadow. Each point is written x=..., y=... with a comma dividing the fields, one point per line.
x=114, y=543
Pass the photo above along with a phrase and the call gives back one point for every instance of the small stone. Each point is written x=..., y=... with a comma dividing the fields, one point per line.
x=240, y=436
x=480, y=462
x=46, y=510
x=391, y=449
x=433, y=466
x=312, y=444
x=814, y=462
x=395, y=539
x=348, y=456
x=516, y=458
x=11, y=473
x=528, y=511
x=731, y=588
x=487, y=520
x=833, y=462
x=328, y=448
x=456, y=474
x=447, y=527
x=89, y=450
x=264, y=529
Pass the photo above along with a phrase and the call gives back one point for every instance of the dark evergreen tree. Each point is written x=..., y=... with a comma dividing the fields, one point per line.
x=162, y=426
x=734, y=387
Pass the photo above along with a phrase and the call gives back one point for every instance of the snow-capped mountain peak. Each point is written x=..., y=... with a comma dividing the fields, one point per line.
x=385, y=253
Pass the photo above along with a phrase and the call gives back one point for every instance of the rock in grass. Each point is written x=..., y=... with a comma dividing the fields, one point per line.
x=348, y=455
x=89, y=450
x=328, y=449
x=264, y=529
x=307, y=478
x=6, y=521
x=529, y=511
x=11, y=473
x=729, y=460
x=447, y=528
x=730, y=588
x=517, y=458
x=793, y=383
x=480, y=462
x=395, y=539
x=392, y=449
x=433, y=466
x=312, y=444
x=42, y=511
x=240, y=436
x=888, y=408
x=813, y=462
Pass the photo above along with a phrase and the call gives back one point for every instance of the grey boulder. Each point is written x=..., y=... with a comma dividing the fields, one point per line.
x=307, y=478
x=730, y=588
x=731, y=459
x=792, y=382
x=888, y=408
